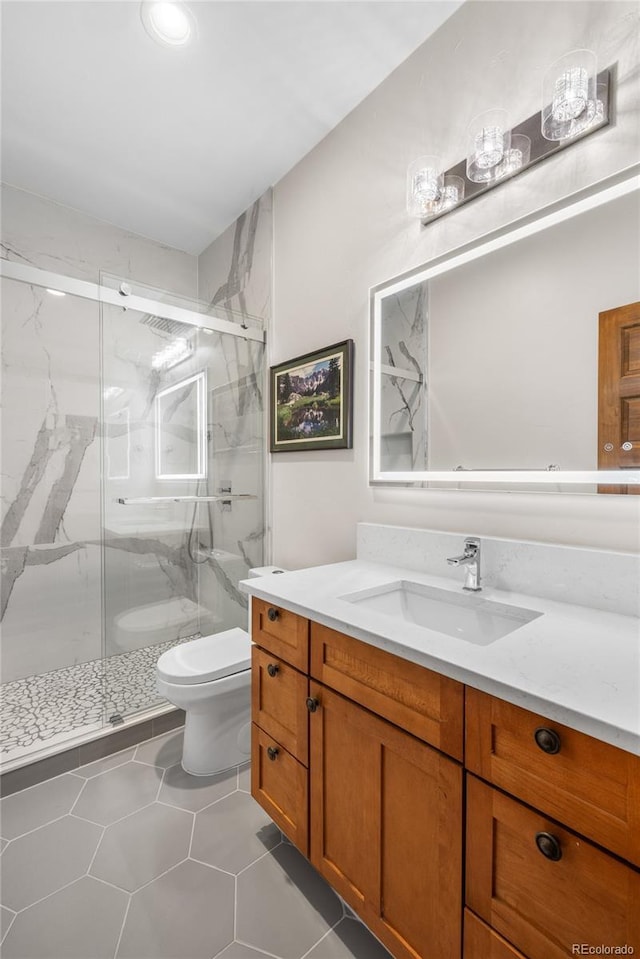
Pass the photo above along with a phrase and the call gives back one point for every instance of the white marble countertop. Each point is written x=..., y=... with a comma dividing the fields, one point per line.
x=576, y=665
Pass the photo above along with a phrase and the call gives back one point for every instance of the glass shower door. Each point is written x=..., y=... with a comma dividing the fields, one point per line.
x=51, y=649
x=182, y=491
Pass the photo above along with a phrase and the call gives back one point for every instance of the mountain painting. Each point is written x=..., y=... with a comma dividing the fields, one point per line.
x=311, y=400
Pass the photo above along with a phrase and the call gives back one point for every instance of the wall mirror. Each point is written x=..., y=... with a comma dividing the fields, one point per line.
x=181, y=429
x=486, y=365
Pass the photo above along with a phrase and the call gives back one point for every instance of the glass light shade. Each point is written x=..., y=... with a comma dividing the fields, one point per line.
x=517, y=156
x=452, y=192
x=488, y=138
x=424, y=186
x=569, y=101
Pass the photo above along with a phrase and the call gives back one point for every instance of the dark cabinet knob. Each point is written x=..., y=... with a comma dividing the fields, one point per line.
x=272, y=752
x=273, y=669
x=272, y=614
x=312, y=704
x=549, y=846
x=547, y=740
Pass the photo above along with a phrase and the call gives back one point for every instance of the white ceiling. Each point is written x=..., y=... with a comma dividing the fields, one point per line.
x=174, y=144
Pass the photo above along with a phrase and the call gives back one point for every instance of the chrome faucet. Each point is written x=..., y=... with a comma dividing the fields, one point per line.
x=470, y=559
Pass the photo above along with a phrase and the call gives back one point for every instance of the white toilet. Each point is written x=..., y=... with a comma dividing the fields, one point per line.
x=210, y=678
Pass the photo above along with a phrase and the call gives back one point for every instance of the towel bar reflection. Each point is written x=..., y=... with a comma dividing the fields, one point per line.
x=152, y=500
x=551, y=468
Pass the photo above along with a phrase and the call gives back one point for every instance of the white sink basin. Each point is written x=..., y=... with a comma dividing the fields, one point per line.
x=463, y=615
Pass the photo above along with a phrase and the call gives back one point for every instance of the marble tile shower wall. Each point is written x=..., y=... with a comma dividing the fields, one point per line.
x=51, y=531
x=52, y=237
x=50, y=534
x=235, y=273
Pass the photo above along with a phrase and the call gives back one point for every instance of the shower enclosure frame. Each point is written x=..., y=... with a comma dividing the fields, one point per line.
x=105, y=295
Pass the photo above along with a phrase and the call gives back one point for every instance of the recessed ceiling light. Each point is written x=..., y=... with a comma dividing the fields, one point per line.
x=55, y=292
x=168, y=23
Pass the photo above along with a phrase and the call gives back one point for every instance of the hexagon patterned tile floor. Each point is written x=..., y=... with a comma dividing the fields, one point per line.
x=131, y=858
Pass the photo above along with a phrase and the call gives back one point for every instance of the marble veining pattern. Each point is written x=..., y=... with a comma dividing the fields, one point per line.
x=234, y=272
x=55, y=551
x=404, y=320
x=36, y=709
x=53, y=237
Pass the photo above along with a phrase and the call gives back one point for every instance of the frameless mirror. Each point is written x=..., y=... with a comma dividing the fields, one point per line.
x=181, y=429
x=489, y=365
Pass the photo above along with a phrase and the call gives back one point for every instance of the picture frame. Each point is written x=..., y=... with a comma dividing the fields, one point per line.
x=311, y=401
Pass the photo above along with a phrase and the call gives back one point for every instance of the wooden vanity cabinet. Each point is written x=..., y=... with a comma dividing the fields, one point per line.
x=357, y=756
x=483, y=942
x=544, y=898
x=385, y=826
x=281, y=632
x=384, y=805
x=590, y=785
x=541, y=834
x=280, y=725
x=418, y=700
x=279, y=702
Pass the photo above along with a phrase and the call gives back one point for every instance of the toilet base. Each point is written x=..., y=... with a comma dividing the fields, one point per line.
x=217, y=738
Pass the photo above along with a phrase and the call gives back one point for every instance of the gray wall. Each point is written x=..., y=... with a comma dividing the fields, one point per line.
x=340, y=227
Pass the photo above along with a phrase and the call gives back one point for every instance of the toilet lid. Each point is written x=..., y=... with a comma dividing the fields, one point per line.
x=210, y=657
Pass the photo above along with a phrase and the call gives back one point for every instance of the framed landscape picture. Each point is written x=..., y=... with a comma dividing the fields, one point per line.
x=312, y=401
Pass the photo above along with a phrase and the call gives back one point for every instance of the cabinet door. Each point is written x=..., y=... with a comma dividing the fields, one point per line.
x=482, y=942
x=278, y=702
x=279, y=784
x=543, y=888
x=281, y=632
x=424, y=703
x=386, y=827
x=590, y=785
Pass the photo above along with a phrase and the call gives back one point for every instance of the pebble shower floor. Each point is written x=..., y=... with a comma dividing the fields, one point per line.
x=43, y=710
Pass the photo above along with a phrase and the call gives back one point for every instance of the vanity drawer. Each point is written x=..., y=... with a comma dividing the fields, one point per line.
x=280, y=784
x=540, y=905
x=590, y=785
x=281, y=632
x=424, y=703
x=481, y=942
x=278, y=702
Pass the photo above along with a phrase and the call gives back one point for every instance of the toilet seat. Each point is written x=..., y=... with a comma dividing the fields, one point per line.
x=206, y=659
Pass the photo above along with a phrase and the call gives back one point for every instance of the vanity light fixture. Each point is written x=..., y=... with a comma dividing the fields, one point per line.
x=569, y=95
x=452, y=192
x=425, y=181
x=516, y=157
x=429, y=192
x=575, y=104
x=488, y=139
x=171, y=24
